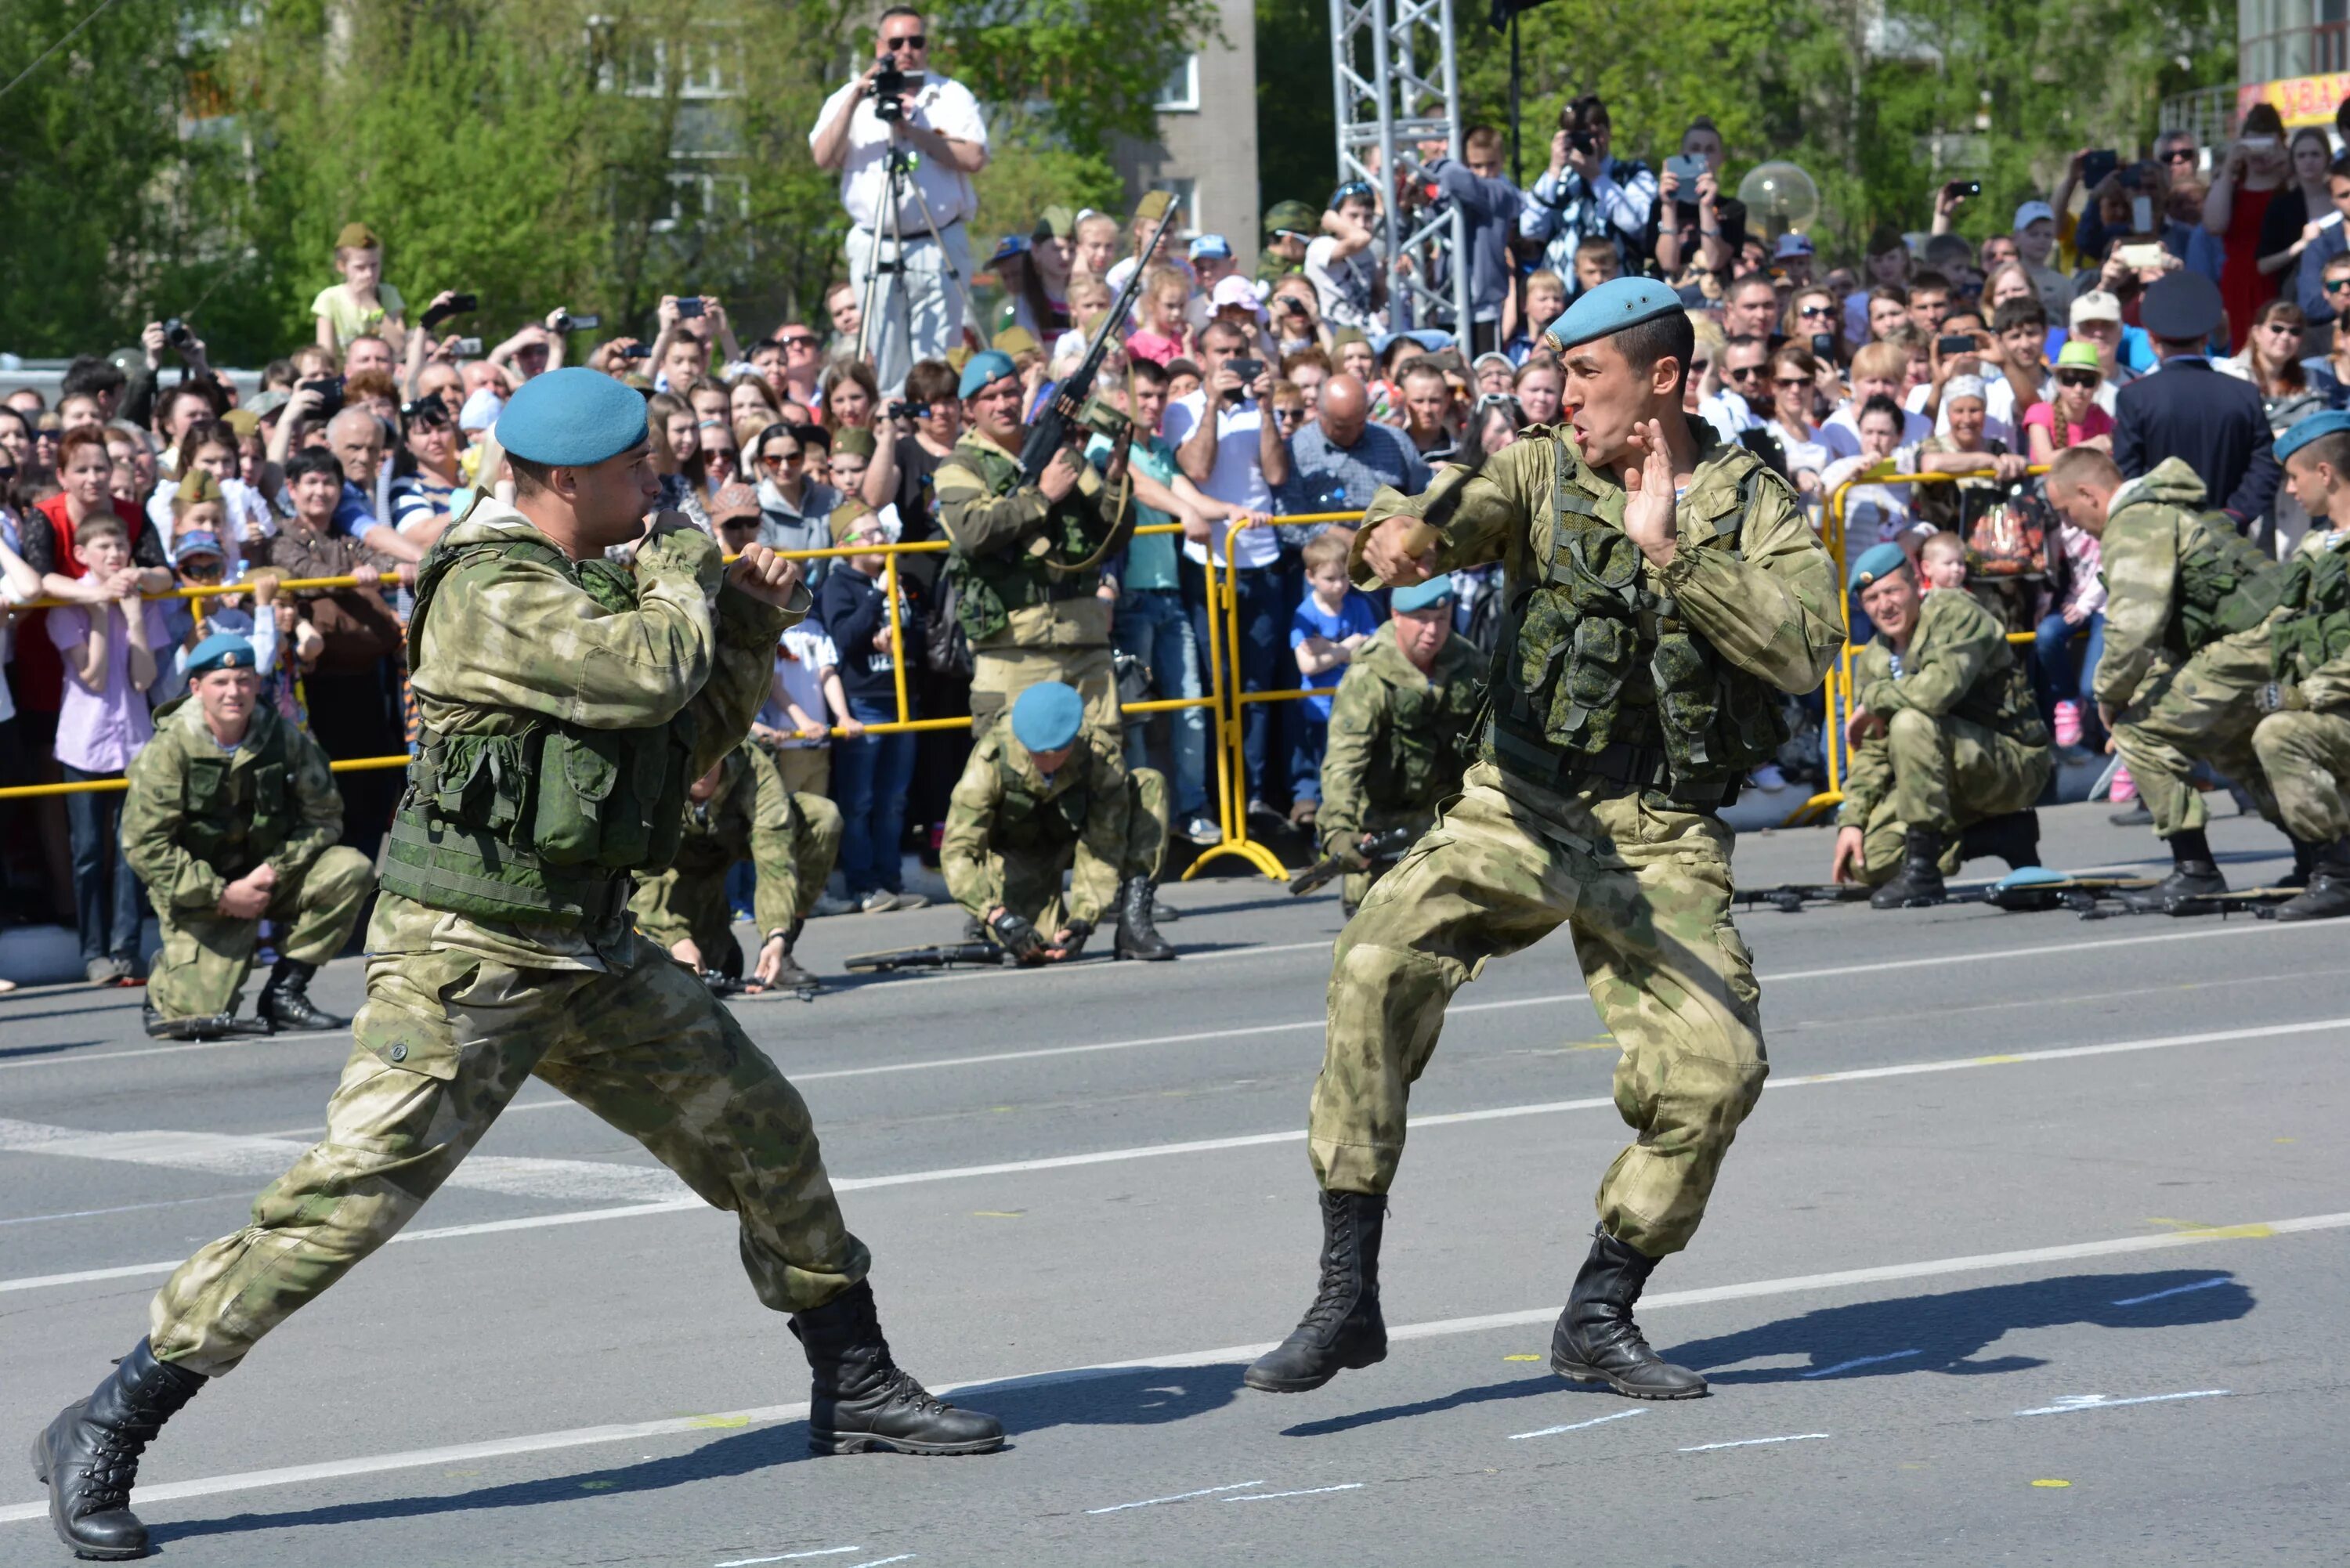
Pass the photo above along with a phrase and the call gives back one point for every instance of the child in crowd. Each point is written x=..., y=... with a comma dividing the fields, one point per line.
x=1166, y=335
x=2079, y=610
x=1089, y=301
x=1331, y=622
x=1942, y=562
x=362, y=303
x=1874, y=513
x=1546, y=303
x=1595, y=261
x=200, y=559
x=109, y=650
x=870, y=772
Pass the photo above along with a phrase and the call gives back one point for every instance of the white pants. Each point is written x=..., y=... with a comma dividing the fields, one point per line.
x=918, y=311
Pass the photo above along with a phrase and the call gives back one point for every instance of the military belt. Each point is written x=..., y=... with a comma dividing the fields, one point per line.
x=1643, y=768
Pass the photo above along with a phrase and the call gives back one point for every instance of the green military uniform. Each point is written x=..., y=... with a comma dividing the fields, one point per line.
x=1395, y=744
x=1964, y=739
x=1029, y=618
x=2303, y=742
x=790, y=846
x=566, y=708
x=198, y=815
x=2186, y=643
x=1012, y=833
x=1628, y=702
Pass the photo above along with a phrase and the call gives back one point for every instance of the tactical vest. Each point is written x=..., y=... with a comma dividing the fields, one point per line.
x=229, y=835
x=2316, y=590
x=1596, y=677
x=1029, y=822
x=988, y=589
x=2004, y=704
x=2226, y=585
x=1418, y=761
x=537, y=821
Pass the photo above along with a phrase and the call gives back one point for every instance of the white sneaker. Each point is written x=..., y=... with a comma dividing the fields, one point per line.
x=1202, y=830
x=1767, y=778
x=879, y=901
x=831, y=904
x=908, y=901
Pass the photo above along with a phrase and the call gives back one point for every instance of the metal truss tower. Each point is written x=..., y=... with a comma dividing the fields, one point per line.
x=1391, y=67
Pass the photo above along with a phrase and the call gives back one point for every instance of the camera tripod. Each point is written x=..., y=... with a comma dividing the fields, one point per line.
x=898, y=169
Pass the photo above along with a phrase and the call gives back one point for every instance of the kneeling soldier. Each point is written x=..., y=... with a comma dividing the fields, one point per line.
x=1395, y=730
x=1946, y=740
x=1040, y=797
x=231, y=819
x=2304, y=743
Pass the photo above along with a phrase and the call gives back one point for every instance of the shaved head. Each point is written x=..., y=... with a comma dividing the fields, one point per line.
x=1345, y=404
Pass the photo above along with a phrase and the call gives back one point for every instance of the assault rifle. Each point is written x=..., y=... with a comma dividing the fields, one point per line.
x=1377, y=848
x=1066, y=413
x=949, y=955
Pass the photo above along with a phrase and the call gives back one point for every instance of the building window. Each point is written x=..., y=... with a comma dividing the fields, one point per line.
x=697, y=196
x=1180, y=92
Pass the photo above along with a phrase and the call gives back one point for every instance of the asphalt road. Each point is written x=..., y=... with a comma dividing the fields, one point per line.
x=2033, y=1252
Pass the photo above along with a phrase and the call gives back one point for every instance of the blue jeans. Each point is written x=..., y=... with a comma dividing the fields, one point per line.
x=869, y=775
x=1309, y=733
x=2052, y=680
x=1154, y=627
x=109, y=903
x=1265, y=609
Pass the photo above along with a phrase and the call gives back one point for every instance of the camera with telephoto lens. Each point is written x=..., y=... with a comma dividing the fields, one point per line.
x=902, y=410
x=890, y=88
x=176, y=333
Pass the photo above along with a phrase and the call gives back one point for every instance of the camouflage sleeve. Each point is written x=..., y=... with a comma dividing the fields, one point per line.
x=1868, y=777
x=1957, y=642
x=2327, y=687
x=320, y=803
x=1355, y=715
x=153, y=811
x=2140, y=556
x=962, y=849
x=1490, y=518
x=742, y=671
x=1101, y=847
x=1771, y=608
x=980, y=523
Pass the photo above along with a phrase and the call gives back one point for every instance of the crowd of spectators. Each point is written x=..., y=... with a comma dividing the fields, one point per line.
x=1266, y=402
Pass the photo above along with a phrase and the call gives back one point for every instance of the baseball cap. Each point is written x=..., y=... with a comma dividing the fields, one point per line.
x=732, y=501
x=1240, y=290
x=2097, y=306
x=1790, y=245
x=1214, y=246
x=2031, y=213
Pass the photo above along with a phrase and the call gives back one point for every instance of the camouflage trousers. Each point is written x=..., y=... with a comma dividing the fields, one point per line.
x=2201, y=711
x=1358, y=884
x=1029, y=885
x=792, y=812
x=1947, y=773
x=1646, y=893
x=2306, y=757
x=444, y=1041
x=207, y=957
x=999, y=675
x=690, y=902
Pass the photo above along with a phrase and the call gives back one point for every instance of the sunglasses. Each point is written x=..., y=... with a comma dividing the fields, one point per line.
x=2077, y=378
x=909, y=41
x=1809, y=311
x=211, y=574
x=1351, y=188
x=2179, y=155
x=800, y=341
x=1700, y=366
x=789, y=460
x=1795, y=382
x=1742, y=372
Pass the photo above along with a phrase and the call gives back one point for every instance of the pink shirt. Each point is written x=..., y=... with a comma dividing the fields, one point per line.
x=100, y=730
x=1155, y=346
x=2095, y=424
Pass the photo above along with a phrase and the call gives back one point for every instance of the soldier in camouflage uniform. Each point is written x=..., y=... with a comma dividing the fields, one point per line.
x=729, y=818
x=1646, y=641
x=1042, y=798
x=2187, y=646
x=1397, y=729
x=1026, y=562
x=231, y=819
x=2303, y=738
x=564, y=709
x=1949, y=750
x=1289, y=228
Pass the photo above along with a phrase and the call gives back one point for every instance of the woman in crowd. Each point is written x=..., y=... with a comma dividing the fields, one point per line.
x=1540, y=384
x=420, y=493
x=1035, y=277
x=2287, y=227
x=850, y=396
x=719, y=462
x=2249, y=178
x=1795, y=382
x=2007, y=281
x=1493, y=423
x=1813, y=316
x=750, y=397
x=2271, y=362
x=675, y=432
x=795, y=508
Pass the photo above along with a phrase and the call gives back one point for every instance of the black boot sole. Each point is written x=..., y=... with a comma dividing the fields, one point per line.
x=1583, y=1372
x=57, y=1520
x=873, y=1443
x=1264, y=1383
x=1122, y=952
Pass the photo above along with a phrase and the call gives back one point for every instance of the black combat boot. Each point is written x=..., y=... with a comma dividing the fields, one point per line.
x=1138, y=937
x=1343, y=1328
x=2193, y=875
x=89, y=1457
x=791, y=976
x=2327, y=896
x=2014, y=837
x=1919, y=883
x=285, y=1000
x=204, y=1026
x=1598, y=1342
x=861, y=1401
x=2304, y=864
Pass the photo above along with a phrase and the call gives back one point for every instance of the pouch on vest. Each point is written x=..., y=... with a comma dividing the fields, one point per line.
x=2226, y=585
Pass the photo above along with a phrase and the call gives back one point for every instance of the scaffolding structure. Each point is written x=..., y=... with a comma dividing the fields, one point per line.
x=1392, y=69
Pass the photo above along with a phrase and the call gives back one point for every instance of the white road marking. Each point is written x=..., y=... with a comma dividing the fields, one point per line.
x=1753, y=1442
x=1858, y=1361
x=1577, y=1425
x=786, y=1557
x=2212, y=1284
x=243, y=1192
x=883, y=1562
x=1153, y=1151
x=1308, y=1491
x=2066, y=1403
x=68, y=1058
x=687, y=1426
x=1155, y=1501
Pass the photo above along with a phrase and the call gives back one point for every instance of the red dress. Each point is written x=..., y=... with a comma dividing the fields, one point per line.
x=2242, y=289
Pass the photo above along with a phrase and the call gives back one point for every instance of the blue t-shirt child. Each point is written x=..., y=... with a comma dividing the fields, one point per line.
x=1357, y=614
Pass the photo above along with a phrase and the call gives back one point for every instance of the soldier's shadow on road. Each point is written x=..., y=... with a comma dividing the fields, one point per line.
x=1944, y=1332
x=1131, y=1396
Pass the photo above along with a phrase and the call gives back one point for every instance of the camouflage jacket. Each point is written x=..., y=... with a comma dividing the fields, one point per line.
x=1395, y=740
x=1958, y=663
x=2310, y=644
x=2152, y=525
x=1002, y=527
x=519, y=637
x=1086, y=802
x=171, y=812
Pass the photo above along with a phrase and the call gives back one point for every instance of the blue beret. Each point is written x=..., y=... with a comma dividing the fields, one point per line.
x=2301, y=432
x=1437, y=590
x=222, y=650
x=571, y=419
x=1048, y=717
x=1608, y=309
x=988, y=366
x=1876, y=561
